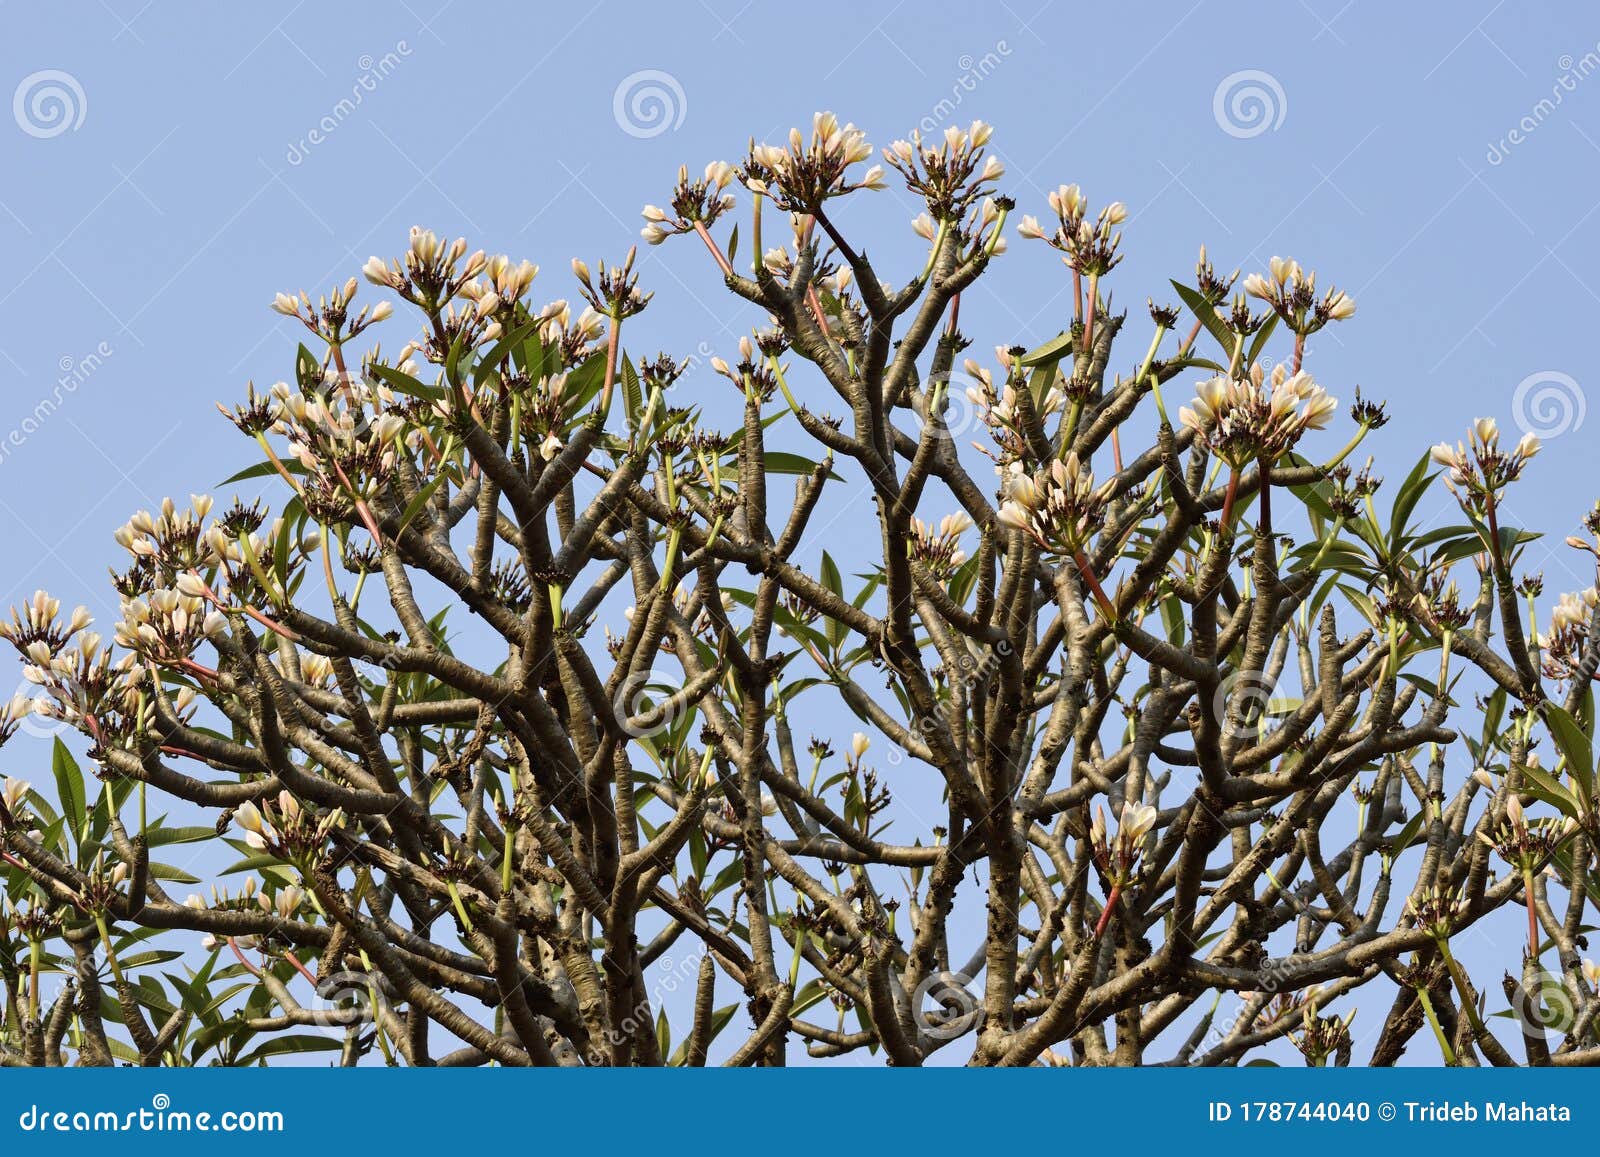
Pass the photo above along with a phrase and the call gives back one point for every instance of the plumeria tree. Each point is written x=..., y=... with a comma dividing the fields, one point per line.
x=527, y=680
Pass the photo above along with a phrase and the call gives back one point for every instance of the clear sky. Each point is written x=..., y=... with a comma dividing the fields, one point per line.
x=167, y=168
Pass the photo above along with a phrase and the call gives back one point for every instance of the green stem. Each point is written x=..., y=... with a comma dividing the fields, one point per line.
x=461, y=909
x=1438, y=1030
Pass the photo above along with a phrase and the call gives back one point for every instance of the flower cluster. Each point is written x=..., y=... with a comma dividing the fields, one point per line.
x=999, y=408
x=693, y=203
x=68, y=663
x=939, y=549
x=1435, y=910
x=1527, y=844
x=803, y=174
x=1568, y=636
x=330, y=318
x=431, y=272
x=1060, y=507
x=1292, y=294
x=614, y=292
x=1477, y=470
x=288, y=829
x=169, y=624
x=950, y=176
x=1244, y=419
x=1089, y=247
x=1117, y=856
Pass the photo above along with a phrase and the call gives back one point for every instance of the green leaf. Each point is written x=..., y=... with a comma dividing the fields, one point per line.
x=1261, y=340
x=176, y=875
x=835, y=630
x=782, y=462
x=1407, y=835
x=261, y=470
x=405, y=383
x=1207, y=316
x=719, y=1021
x=1576, y=745
x=285, y=1045
x=1052, y=351
x=490, y=362
x=584, y=383
x=1541, y=784
x=307, y=369
x=1411, y=492
x=418, y=501
x=69, y=786
x=158, y=836
x=632, y=393
x=1040, y=381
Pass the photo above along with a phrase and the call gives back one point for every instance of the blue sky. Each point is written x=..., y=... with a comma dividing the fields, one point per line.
x=144, y=240
x=1438, y=162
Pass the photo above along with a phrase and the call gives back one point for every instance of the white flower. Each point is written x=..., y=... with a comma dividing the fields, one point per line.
x=859, y=744
x=258, y=832
x=14, y=793
x=1136, y=821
